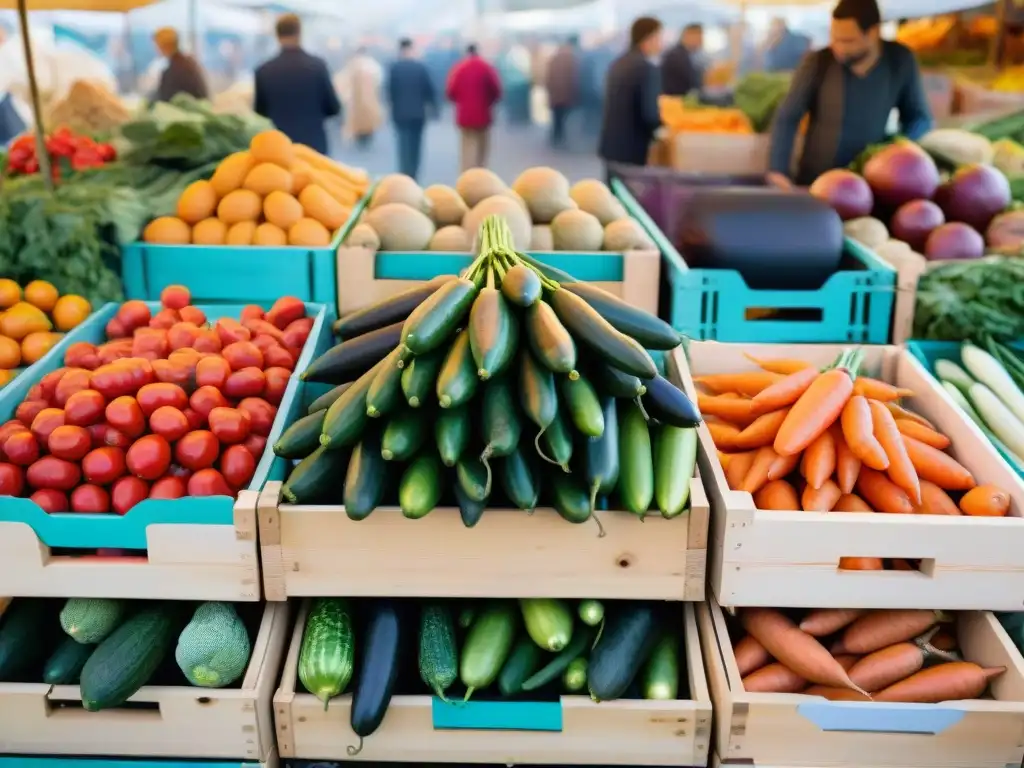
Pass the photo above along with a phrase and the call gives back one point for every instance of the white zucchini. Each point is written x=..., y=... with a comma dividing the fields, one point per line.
x=988, y=371
x=1000, y=419
x=949, y=371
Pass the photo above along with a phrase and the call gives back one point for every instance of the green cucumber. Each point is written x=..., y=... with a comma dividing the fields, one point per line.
x=500, y=419
x=466, y=614
x=419, y=378
x=487, y=647
x=548, y=621
x=213, y=650
x=346, y=418
x=519, y=480
x=575, y=676
x=636, y=463
x=404, y=435
x=451, y=431
x=434, y=321
x=385, y=391
x=90, y=620
x=393, y=309
x=602, y=454
x=591, y=612
x=581, y=640
x=438, y=660
x=367, y=477
x=630, y=633
x=660, y=676
x=474, y=478
x=612, y=381
x=351, y=359
x=558, y=442
x=457, y=380
x=552, y=273
x=302, y=437
x=583, y=406
x=493, y=333
x=524, y=660
x=650, y=331
x=675, y=454
x=315, y=476
x=65, y=664
x=379, y=664
x=23, y=637
x=327, y=654
x=538, y=395
x=327, y=399
x=420, y=489
x=521, y=285
x=470, y=510
x=569, y=498
x=549, y=341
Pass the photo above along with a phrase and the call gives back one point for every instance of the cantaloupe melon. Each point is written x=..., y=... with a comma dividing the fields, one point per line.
x=197, y=202
x=546, y=192
x=518, y=219
x=242, y=233
x=209, y=232
x=310, y=233
x=266, y=178
x=626, y=235
x=363, y=236
x=240, y=205
x=477, y=184
x=273, y=147
x=399, y=188
x=269, y=235
x=231, y=173
x=577, y=231
x=451, y=239
x=282, y=210
x=447, y=206
x=595, y=198
x=319, y=205
x=400, y=227
x=541, y=239
x=167, y=230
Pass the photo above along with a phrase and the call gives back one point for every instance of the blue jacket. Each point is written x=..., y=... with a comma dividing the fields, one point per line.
x=631, y=113
x=294, y=91
x=410, y=92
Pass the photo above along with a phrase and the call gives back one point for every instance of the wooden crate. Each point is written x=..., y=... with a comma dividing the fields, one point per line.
x=159, y=721
x=92, y=762
x=775, y=729
x=625, y=732
x=790, y=559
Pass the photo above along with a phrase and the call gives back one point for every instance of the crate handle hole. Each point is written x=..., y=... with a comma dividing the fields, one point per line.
x=625, y=561
x=204, y=699
x=869, y=565
x=789, y=314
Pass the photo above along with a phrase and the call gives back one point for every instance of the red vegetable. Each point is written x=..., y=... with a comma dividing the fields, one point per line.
x=261, y=414
x=285, y=311
x=169, y=487
x=229, y=331
x=277, y=383
x=51, y=472
x=297, y=332
x=278, y=357
x=175, y=297
x=205, y=399
x=900, y=173
x=169, y=423
x=149, y=457
x=71, y=443
x=134, y=314
x=192, y=314
x=45, y=422
x=12, y=479
x=114, y=380
x=50, y=501
x=914, y=221
x=21, y=448
x=125, y=414
x=102, y=466
x=153, y=396
x=127, y=492
x=845, y=191
x=974, y=195
x=954, y=241
x=243, y=354
x=90, y=498
x=229, y=425
x=256, y=445
x=85, y=408
x=27, y=411
x=197, y=450
x=208, y=482
x=212, y=372
x=248, y=382
x=74, y=380
x=238, y=466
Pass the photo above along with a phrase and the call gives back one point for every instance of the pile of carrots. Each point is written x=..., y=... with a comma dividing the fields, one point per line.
x=799, y=438
x=857, y=655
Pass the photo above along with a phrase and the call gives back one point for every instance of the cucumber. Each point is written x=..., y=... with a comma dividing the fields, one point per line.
x=519, y=480
x=65, y=664
x=315, y=476
x=457, y=380
x=558, y=442
x=602, y=454
x=90, y=620
x=500, y=417
x=548, y=621
x=466, y=614
x=439, y=661
x=378, y=670
x=419, y=378
x=493, y=333
x=587, y=326
x=575, y=676
x=583, y=406
x=612, y=381
x=636, y=463
x=650, y=331
x=524, y=660
x=420, y=489
x=367, y=477
x=591, y=612
x=351, y=359
x=214, y=650
x=470, y=510
x=346, y=418
x=327, y=399
x=630, y=633
x=404, y=435
x=667, y=403
x=551, y=273
x=537, y=395
x=660, y=676
x=569, y=498
x=487, y=646
x=521, y=285
x=549, y=341
x=302, y=437
x=474, y=478
x=434, y=321
x=451, y=431
x=393, y=309
x=385, y=391
x=581, y=640
x=23, y=637
x=675, y=454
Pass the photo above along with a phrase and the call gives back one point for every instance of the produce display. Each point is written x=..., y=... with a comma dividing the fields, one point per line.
x=112, y=648
x=543, y=211
x=499, y=387
x=66, y=150
x=272, y=194
x=907, y=656
x=170, y=406
x=520, y=650
x=755, y=98
x=89, y=108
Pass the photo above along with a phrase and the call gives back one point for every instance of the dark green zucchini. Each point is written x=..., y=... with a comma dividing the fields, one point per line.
x=519, y=480
x=351, y=359
x=569, y=498
x=629, y=635
x=65, y=664
x=474, y=478
x=470, y=510
x=523, y=662
x=404, y=435
x=583, y=406
x=660, y=677
x=394, y=309
x=612, y=381
x=602, y=454
x=500, y=419
x=582, y=637
x=302, y=437
x=451, y=431
x=367, y=477
x=650, y=331
x=327, y=399
x=380, y=659
x=521, y=285
x=419, y=378
x=346, y=418
x=385, y=391
x=420, y=488
x=435, y=320
x=315, y=476
x=552, y=273
x=667, y=403
x=558, y=442
x=24, y=631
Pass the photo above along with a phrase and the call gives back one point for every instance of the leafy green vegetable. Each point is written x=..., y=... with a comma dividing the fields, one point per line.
x=759, y=94
x=968, y=301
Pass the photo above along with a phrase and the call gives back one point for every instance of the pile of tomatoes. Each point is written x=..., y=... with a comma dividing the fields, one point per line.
x=170, y=406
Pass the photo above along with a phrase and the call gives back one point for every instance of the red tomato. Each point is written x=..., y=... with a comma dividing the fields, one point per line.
x=256, y=445
x=229, y=425
x=266, y=343
x=238, y=466
x=183, y=335
x=230, y=331
x=45, y=422
x=169, y=487
x=192, y=314
x=186, y=359
x=113, y=351
x=102, y=466
x=153, y=343
x=259, y=327
x=153, y=396
x=248, y=382
x=126, y=492
x=50, y=381
x=209, y=482
x=125, y=414
x=115, y=329
x=114, y=380
x=177, y=470
x=261, y=414
x=12, y=480
x=285, y=311
x=165, y=318
x=134, y=314
x=82, y=354
x=169, y=423
x=172, y=373
x=68, y=442
x=90, y=498
x=212, y=372
x=36, y=392
x=207, y=342
x=21, y=448
x=85, y=408
x=196, y=420
x=277, y=383
x=115, y=438
x=243, y=354
x=297, y=332
x=12, y=427
x=175, y=297
x=50, y=501
x=205, y=399
x=149, y=457
x=74, y=380
x=27, y=411
x=252, y=311
x=197, y=450
x=51, y=472
x=277, y=357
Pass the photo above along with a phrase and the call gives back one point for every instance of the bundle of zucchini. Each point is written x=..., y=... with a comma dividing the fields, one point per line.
x=466, y=387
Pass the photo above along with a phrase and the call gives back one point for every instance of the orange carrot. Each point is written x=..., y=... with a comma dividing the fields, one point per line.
x=761, y=431
x=851, y=502
x=847, y=463
x=847, y=660
x=820, y=499
x=750, y=655
x=774, y=678
x=943, y=640
x=785, y=392
x=794, y=648
x=879, y=390
x=777, y=495
x=938, y=467
x=814, y=412
x=889, y=665
x=882, y=493
x=757, y=475
x=734, y=409
x=724, y=459
x=859, y=433
x=923, y=433
x=747, y=384
x=899, y=564
x=861, y=564
x=738, y=467
x=878, y=629
x=779, y=365
x=836, y=694
x=986, y=501
x=822, y=622
x=723, y=433
x=782, y=466
x=935, y=501
x=955, y=681
x=899, y=412
x=900, y=471
x=819, y=460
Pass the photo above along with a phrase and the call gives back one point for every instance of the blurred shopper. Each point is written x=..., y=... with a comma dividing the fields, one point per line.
x=682, y=68
x=563, y=84
x=848, y=91
x=474, y=87
x=359, y=84
x=631, y=114
x=412, y=100
x=784, y=49
x=294, y=89
x=514, y=70
x=183, y=73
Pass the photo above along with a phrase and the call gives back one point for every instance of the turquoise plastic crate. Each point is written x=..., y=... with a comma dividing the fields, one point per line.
x=85, y=531
x=854, y=305
x=426, y=265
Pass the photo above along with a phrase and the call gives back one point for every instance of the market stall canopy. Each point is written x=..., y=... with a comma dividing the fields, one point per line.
x=110, y=6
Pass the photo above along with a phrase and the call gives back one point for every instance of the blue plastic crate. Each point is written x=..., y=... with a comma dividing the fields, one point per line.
x=854, y=305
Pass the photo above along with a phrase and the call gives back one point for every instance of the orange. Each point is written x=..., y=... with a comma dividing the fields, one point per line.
x=42, y=294
x=5, y=378
x=10, y=293
x=37, y=344
x=10, y=353
x=70, y=312
x=22, y=319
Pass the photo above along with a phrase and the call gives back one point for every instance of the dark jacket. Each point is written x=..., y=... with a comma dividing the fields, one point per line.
x=183, y=75
x=295, y=92
x=563, y=80
x=631, y=114
x=474, y=87
x=410, y=92
x=680, y=74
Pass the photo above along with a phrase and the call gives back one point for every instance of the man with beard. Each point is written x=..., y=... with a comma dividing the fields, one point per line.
x=847, y=91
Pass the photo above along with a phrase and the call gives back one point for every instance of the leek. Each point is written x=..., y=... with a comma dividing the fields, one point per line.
x=1000, y=420
x=990, y=372
x=949, y=371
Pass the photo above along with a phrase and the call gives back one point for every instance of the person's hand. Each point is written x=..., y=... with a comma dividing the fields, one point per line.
x=779, y=181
